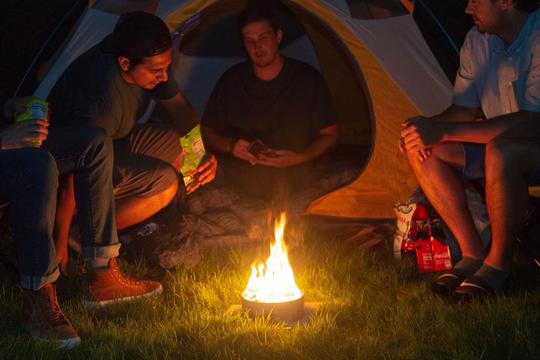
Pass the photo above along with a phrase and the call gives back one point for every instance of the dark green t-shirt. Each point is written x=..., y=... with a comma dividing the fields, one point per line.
x=92, y=92
x=286, y=112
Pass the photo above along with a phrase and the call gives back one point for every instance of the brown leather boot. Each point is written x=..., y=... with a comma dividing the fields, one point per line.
x=44, y=318
x=109, y=285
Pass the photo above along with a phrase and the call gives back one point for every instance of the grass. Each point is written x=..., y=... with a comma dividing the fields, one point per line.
x=374, y=308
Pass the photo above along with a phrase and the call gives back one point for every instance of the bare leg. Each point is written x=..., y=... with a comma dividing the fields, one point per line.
x=132, y=210
x=508, y=164
x=445, y=192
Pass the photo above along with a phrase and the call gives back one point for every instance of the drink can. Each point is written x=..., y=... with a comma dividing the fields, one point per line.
x=34, y=109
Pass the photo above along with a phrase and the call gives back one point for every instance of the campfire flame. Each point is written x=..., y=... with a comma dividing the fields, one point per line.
x=273, y=282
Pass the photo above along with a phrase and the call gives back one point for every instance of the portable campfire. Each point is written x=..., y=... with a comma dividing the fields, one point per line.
x=271, y=289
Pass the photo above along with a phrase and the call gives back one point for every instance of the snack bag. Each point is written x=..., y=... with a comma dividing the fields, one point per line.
x=406, y=216
x=34, y=109
x=193, y=151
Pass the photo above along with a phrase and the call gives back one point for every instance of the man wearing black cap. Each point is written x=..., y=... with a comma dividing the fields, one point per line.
x=110, y=86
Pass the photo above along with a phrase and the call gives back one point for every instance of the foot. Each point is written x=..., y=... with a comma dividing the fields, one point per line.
x=109, y=285
x=44, y=318
x=486, y=282
x=447, y=282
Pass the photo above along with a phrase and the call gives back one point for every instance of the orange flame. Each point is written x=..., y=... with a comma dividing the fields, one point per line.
x=273, y=282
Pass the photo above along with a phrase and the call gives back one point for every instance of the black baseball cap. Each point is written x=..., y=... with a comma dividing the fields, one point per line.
x=139, y=34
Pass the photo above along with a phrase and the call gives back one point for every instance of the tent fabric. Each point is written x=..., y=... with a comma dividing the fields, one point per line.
x=93, y=26
x=397, y=43
x=395, y=77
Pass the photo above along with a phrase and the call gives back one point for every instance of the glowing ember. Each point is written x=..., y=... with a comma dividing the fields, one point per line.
x=273, y=282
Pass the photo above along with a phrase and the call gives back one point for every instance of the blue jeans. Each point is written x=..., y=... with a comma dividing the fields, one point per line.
x=29, y=179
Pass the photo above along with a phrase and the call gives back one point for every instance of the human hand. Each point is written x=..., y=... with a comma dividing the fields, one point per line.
x=240, y=150
x=17, y=105
x=205, y=173
x=24, y=134
x=280, y=158
x=420, y=133
x=421, y=155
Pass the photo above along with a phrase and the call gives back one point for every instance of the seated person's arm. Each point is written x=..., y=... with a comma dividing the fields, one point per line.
x=456, y=113
x=180, y=112
x=215, y=142
x=222, y=144
x=327, y=138
x=519, y=125
x=421, y=133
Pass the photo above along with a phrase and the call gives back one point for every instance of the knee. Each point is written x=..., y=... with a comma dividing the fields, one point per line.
x=39, y=169
x=503, y=154
x=98, y=138
x=168, y=185
x=169, y=181
x=98, y=143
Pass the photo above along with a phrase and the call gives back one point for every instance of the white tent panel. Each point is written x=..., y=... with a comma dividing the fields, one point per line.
x=93, y=27
x=401, y=50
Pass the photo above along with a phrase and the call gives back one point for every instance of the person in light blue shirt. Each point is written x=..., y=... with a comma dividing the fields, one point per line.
x=491, y=131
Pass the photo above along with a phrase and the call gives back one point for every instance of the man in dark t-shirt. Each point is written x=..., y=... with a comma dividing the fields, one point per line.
x=110, y=86
x=268, y=117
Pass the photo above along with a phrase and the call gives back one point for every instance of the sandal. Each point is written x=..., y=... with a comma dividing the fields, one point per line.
x=473, y=288
x=447, y=282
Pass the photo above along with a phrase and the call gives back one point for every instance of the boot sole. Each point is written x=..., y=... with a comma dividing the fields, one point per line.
x=104, y=303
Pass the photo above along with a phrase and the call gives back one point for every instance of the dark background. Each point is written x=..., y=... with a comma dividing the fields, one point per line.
x=24, y=26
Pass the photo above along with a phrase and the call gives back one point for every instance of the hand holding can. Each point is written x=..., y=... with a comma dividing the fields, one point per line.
x=35, y=109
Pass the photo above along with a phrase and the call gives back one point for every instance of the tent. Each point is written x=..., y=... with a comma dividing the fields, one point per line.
x=371, y=53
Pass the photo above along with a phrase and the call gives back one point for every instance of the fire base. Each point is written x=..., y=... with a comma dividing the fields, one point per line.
x=287, y=311
x=307, y=310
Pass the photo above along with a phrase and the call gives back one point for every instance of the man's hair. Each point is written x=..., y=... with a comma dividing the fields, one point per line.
x=140, y=34
x=256, y=11
x=527, y=5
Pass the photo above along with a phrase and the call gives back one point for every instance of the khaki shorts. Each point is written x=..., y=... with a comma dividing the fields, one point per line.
x=145, y=161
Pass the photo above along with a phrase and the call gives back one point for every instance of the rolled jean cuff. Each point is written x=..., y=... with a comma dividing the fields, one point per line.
x=37, y=282
x=101, y=252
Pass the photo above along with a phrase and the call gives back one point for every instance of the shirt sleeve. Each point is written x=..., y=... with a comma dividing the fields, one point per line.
x=465, y=92
x=531, y=96
x=167, y=89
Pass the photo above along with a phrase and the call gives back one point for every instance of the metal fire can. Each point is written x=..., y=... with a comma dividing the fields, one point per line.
x=34, y=109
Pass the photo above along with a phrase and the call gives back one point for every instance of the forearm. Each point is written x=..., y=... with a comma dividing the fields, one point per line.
x=180, y=113
x=522, y=124
x=321, y=145
x=215, y=142
x=184, y=119
x=457, y=113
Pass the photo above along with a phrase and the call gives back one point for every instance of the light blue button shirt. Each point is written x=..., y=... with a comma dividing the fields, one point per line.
x=500, y=79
